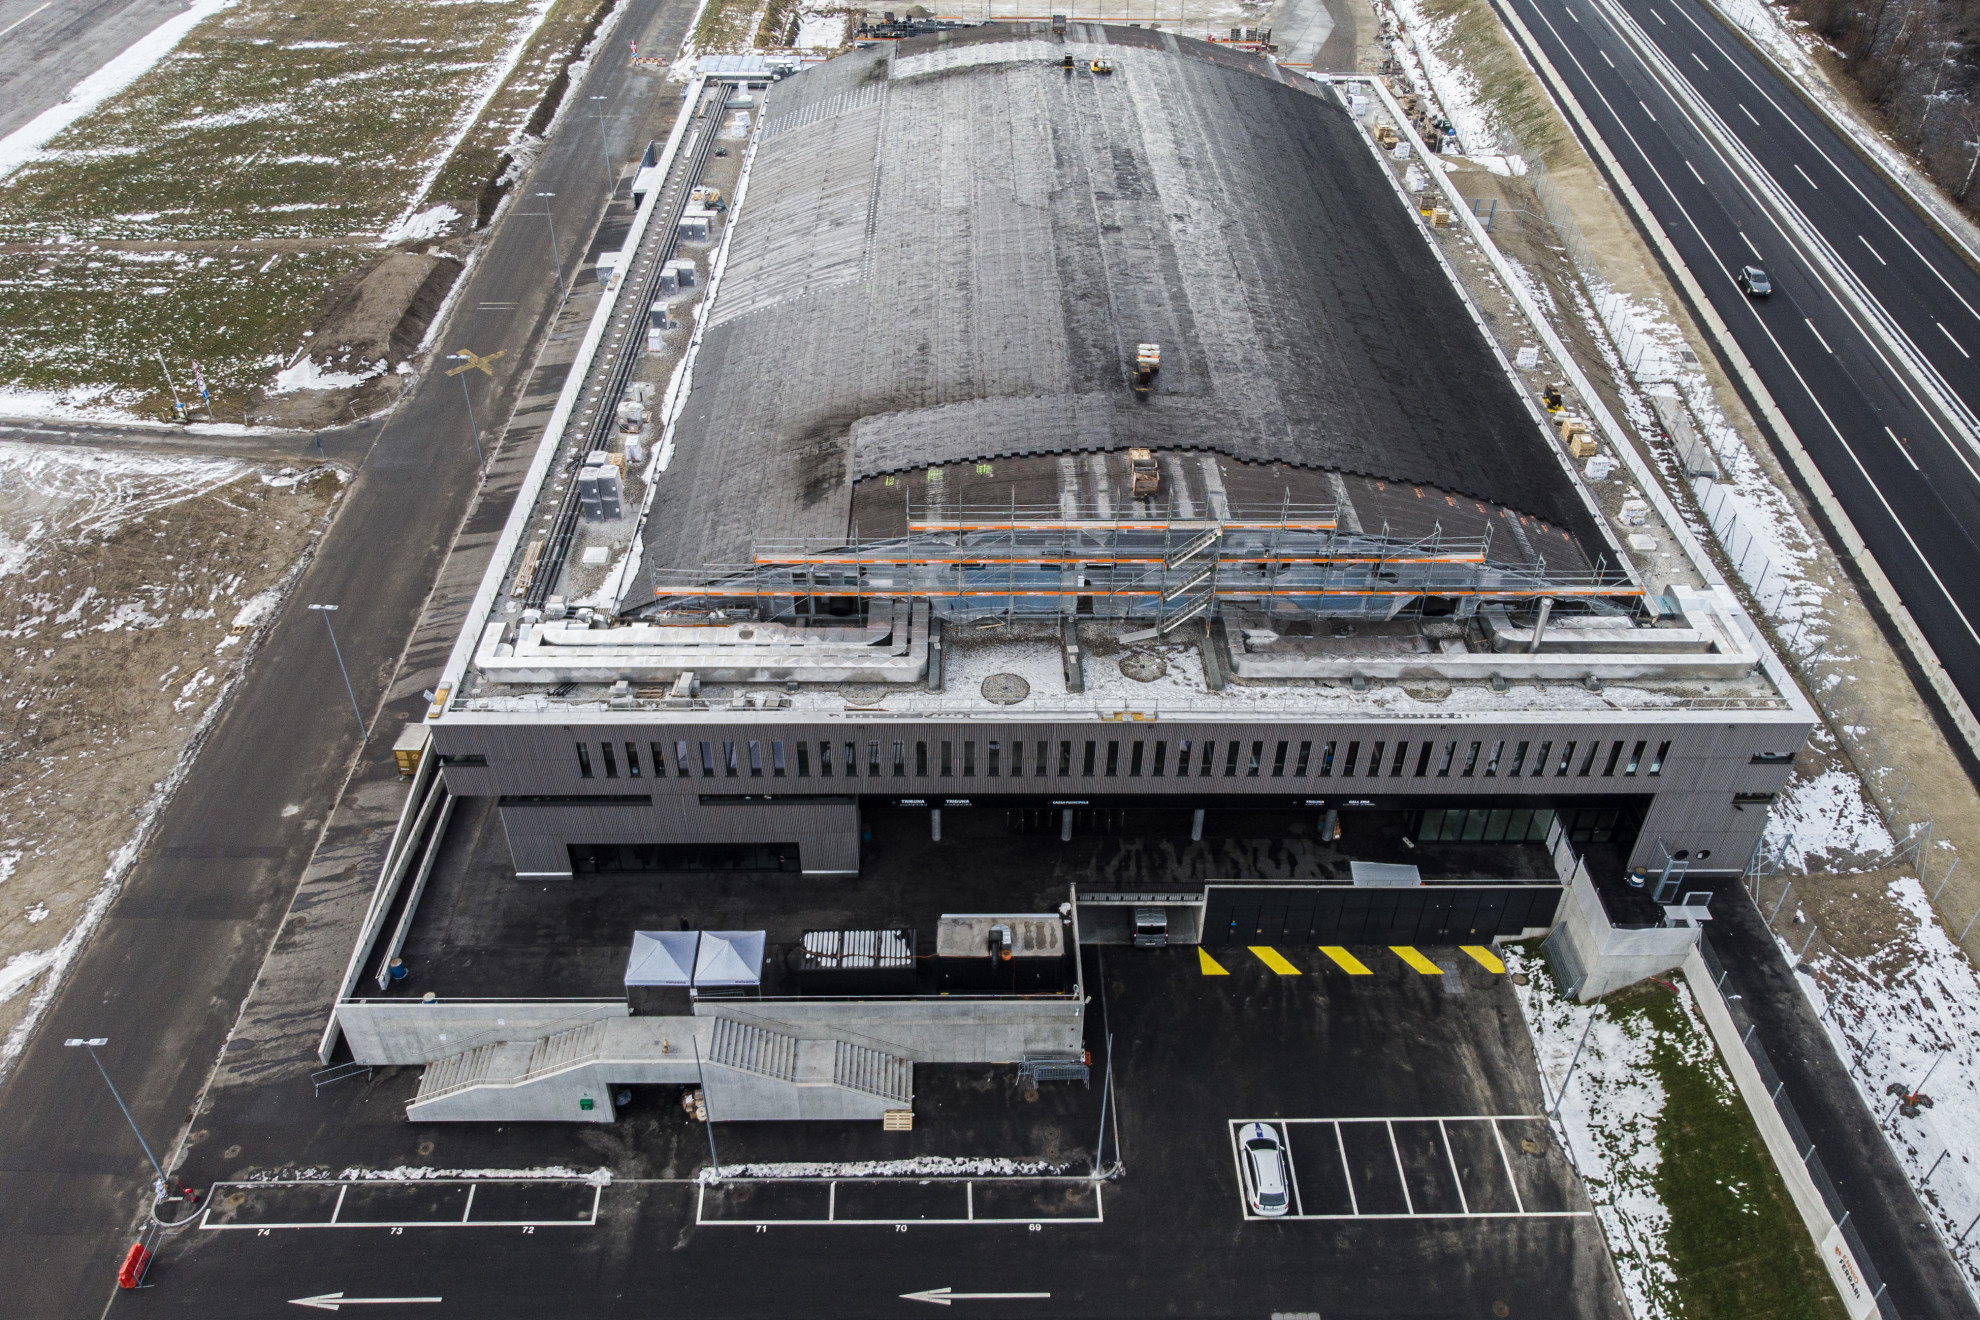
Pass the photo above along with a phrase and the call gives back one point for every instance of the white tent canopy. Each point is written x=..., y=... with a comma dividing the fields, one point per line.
x=729, y=957
x=662, y=957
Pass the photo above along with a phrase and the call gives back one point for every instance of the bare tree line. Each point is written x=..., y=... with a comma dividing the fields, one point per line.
x=1917, y=61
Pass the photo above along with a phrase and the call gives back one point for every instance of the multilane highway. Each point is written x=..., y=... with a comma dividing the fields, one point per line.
x=1867, y=344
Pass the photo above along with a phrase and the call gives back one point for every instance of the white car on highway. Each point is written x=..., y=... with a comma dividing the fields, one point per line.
x=1267, y=1186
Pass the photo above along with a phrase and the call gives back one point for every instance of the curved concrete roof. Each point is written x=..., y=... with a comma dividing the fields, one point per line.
x=947, y=250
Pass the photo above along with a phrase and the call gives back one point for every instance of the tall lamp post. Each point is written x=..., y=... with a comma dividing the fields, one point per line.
x=556, y=253
x=338, y=651
x=604, y=148
x=90, y=1044
x=470, y=361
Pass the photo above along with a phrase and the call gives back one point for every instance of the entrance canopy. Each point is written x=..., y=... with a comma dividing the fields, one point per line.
x=662, y=957
x=729, y=957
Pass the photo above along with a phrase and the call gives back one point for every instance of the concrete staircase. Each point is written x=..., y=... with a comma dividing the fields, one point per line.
x=754, y=1049
x=859, y=1068
x=508, y=1064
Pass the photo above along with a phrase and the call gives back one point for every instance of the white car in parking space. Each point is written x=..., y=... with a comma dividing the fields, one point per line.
x=1267, y=1186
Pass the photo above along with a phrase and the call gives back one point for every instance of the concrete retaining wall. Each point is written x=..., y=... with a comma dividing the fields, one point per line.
x=399, y=1032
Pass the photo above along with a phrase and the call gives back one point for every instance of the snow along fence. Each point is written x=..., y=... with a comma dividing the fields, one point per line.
x=1808, y=1183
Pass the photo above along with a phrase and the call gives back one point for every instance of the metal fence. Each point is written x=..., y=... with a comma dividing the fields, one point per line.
x=1804, y=1146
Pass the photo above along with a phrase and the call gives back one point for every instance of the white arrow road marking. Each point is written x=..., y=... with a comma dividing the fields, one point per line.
x=943, y=1297
x=331, y=1301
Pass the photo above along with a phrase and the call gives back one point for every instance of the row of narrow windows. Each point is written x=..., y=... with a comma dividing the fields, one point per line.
x=1150, y=758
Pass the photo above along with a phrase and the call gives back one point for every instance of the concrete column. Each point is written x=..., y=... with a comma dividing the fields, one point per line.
x=1330, y=829
x=1065, y=825
x=1196, y=826
x=935, y=824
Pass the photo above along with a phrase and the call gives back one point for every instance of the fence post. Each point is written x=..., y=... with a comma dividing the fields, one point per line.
x=1948, y=880
x=1777, y=906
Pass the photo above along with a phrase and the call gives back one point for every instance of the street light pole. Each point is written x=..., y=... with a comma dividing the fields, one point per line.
x=604, y=148
x=90, y=1045
x=338, y=651
x=555, y=253
x=474, y=427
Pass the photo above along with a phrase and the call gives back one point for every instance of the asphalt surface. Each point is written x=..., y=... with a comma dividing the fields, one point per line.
x=1897, y=1235
x=178, y=950
x=1901, y=466
x=46, y=48
x=1168, y=1233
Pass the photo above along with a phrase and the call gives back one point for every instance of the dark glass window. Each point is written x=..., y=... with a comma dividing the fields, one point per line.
x=584, y=761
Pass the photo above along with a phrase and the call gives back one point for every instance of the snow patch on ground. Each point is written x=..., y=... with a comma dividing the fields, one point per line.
x=20, y=971
x=1907, y=1014
x=306, y=375
x=425, y=1173
x=424, y=226
x=26, y=142
x=1827, y=824
x=821, y=31
x=926, y=1166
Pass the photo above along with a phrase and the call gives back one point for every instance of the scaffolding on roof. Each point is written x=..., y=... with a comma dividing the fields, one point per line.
x=1043, y=562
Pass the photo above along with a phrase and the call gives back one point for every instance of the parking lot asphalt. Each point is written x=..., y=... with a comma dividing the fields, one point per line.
x=1428, y=1186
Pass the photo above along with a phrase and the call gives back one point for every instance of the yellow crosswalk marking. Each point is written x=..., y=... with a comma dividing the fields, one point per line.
x=1211, y=967
x=1270, y=957
x=1484, y=957
x=1416, y=960
x=1346, y=961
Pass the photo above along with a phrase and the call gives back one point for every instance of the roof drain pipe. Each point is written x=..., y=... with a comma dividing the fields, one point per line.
x=1540, y=628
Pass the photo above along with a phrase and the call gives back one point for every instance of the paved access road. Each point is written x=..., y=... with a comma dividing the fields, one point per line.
x=1868, y=341
x=48, y=46
x=1922, y=1279
x=175, y=955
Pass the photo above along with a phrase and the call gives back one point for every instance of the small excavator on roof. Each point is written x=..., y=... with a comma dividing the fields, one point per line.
x=1147, y=362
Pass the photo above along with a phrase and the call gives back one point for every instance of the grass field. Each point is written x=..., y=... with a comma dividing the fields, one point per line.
x=1697, y=1218
x=325, y=121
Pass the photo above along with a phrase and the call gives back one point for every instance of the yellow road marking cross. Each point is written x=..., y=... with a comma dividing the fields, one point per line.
x=1416, y=960
x=1346, y=961
x=1270, y=957
x=1484, y=957
x=1211, y=967
x=473, y=361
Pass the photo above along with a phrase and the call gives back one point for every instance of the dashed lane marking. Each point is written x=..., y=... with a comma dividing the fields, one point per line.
x=1416, y=960
x=1272, y=959
x=1484, y=957
x=1210, y=966
x=1346, y=961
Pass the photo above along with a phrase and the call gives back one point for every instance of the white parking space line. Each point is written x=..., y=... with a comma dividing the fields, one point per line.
x=1284, y=1127
x=1285, y=1139
x=1409, y=1202
x=1464, y=1202
x=1354, y=1202
x=833, y=1219
x=1505, y=1158
x=220, y=1191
